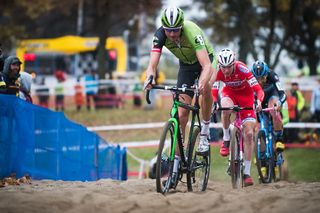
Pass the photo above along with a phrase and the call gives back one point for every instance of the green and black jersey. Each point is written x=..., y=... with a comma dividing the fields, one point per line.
x=192, y=39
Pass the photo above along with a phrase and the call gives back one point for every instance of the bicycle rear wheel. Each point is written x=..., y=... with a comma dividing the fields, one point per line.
x=264, y=163
x=199, y=164
x=164, y=165
x=236, y=164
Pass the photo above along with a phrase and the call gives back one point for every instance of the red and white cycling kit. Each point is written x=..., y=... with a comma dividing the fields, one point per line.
x=239, y=87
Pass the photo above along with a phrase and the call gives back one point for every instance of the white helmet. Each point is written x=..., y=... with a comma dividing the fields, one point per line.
x=226, y=57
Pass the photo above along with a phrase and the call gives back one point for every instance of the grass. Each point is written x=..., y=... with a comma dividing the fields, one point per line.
x=302, y=164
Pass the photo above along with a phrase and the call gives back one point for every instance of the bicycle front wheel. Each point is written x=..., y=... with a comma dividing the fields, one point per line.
x=199, y=164
x=264, y=162
x=164, y=165
x=236, y=167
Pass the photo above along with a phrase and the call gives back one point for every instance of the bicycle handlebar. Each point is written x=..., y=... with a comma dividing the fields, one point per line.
x=170, y=88
x=235, y=108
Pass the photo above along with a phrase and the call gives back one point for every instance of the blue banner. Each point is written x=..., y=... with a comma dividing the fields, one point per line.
x=44, y=144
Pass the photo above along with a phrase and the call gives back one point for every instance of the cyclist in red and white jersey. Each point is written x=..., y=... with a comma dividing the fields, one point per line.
x=239, y=87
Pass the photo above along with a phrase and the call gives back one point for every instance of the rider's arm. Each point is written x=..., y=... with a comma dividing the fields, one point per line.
x=153, y=64
x=215, y=87
x=259, y=91
x=207, y=69
x=159, y=39
x=276, y=81
x=252, y=81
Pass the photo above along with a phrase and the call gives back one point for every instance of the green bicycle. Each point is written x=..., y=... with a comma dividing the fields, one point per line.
x=195, y=165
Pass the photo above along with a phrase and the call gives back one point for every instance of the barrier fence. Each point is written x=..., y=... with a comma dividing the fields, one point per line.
x=46, y=145
x=161, y=124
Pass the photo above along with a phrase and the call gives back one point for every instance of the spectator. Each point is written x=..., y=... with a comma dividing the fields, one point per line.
x=25, y=86
x=43, y=93
x=78, y=97
x=295, y=101
x=1, y=60
x=315, y=102
x=59, y=90
x=10, y=75
x=14, y=82
x=91, y=87
x=137, y=100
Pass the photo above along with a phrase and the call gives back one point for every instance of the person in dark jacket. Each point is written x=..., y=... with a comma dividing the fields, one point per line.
x=1, y=59
x=2, y=83
x=11, y=74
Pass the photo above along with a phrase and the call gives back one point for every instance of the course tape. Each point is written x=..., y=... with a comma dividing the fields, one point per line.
x=161, y=124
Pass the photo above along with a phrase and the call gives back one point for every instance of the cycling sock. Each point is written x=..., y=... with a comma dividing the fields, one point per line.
x=278, y=135
x=247, y=166
x=226, y=134
x=205, y=127
x=176, y=163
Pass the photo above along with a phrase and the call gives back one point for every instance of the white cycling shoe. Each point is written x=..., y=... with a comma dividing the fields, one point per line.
x=203, y=144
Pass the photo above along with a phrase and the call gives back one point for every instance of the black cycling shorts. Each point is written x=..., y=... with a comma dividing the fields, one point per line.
x=188, y=73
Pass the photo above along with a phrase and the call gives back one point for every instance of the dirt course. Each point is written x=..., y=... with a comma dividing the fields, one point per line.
x=140, y=196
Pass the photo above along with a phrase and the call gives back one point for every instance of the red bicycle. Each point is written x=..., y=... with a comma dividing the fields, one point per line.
x=236, y=160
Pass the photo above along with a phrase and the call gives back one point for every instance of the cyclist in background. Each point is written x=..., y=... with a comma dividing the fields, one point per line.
x=189, y=44
x=274, y=95
x=239, y=89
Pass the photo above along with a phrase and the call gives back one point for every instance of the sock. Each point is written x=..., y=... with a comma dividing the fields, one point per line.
x=205, y=127
x=278, y=135
x=176, y=163
x=247, y=166
x=226, y=134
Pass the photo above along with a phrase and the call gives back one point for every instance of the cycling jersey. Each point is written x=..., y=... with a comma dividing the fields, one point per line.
x=272, y=87
x=241, y=81
x=239, y=87
x=192, y=39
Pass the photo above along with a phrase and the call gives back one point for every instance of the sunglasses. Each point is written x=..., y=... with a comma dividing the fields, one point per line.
x=226, y=67
x=175, y=30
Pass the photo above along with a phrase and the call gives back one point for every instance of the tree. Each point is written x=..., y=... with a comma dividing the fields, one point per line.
x=22, y=19
x=111, y=17
x=302, y=27
x=18, y=17
x=267, y=26
x=231, y=21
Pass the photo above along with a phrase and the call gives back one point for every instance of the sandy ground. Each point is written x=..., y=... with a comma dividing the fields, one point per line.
x=140, y=196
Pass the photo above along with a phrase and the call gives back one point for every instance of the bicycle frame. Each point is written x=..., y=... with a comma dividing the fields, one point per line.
x=238, y=124
x=174, y=117
x=267, y=128
x=235, y=177
x=191, y=162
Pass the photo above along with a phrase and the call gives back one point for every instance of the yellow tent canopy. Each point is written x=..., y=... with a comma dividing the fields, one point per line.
x=73, y=45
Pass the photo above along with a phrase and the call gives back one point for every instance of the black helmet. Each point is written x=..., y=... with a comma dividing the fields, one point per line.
x=259, y=69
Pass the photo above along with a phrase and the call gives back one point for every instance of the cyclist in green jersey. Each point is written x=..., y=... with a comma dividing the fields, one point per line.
x=196, y=60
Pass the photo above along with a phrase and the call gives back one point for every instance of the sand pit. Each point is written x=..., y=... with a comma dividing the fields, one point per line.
x=140, y=196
